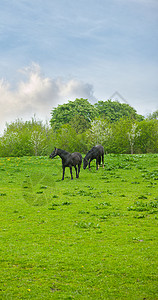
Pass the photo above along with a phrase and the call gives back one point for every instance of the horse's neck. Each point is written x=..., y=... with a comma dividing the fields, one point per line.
x=88, y=155
x=62, y=153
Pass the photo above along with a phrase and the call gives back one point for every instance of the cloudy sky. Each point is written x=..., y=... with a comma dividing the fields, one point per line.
x=54, y=51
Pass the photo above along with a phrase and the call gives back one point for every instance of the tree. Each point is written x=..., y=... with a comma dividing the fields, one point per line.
x=15, y=140
x=38, y=142
x=100, y=132
x=154, y=115
x=113, y=111
x=25, y=138
x=67, y=139
x=79, y=123
x=148, y=140
x=63, y=114
x=119, y=142
x=133, y=134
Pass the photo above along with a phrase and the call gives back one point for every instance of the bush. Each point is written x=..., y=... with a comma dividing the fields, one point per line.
x=25, y=138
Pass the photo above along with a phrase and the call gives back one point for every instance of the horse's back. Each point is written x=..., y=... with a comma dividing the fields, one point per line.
x=77, y=158
x=100, y=149
x=96, y=151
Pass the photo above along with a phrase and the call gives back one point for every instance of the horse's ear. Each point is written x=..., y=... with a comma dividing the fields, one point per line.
x=55, y=150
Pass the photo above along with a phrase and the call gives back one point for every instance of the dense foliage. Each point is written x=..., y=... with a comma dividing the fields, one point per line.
x=114, y=110
x=25, y=138
x=65, y=113
x=154, y=115
x=79, y=125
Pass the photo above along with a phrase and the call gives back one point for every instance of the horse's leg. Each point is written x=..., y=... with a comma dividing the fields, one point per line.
x=97, y=163
x=63, y=173
x=76, y=171
x=71, y=173
x=89, y=164
x=103, y=160
x=79, y=166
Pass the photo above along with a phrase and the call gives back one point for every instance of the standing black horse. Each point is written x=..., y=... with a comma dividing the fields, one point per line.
x=97, y=152
x=68, y=160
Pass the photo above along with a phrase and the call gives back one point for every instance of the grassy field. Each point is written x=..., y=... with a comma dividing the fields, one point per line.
x=90, y=238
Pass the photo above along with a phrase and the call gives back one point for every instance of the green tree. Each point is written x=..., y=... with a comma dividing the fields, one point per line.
x=113, y=111
x=67, y=138
x=154, y=115
x=79, y=123
x=148, y=140
x=25, y=138
x=15, y=140
x=63, y=114
x=119, y=142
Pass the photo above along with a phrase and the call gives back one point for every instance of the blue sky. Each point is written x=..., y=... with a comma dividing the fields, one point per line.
x=55, y=51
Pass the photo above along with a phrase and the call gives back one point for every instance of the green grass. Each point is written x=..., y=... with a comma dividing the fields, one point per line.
x=90, y=238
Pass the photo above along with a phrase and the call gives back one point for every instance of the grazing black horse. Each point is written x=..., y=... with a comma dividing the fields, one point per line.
x=97, y=152
x=68, y=160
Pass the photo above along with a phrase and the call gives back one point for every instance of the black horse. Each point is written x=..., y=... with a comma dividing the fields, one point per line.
x=68, y=160
x=97, y=152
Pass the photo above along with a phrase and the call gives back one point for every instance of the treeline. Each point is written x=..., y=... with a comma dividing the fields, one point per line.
x=78, y=125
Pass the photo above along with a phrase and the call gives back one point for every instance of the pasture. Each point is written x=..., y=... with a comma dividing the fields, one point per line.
x=89, y=238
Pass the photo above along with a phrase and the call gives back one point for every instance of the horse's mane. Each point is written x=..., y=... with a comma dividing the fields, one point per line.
x=64, y=151
x=90, y=151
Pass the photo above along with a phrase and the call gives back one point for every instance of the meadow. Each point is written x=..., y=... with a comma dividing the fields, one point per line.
x=89, y=238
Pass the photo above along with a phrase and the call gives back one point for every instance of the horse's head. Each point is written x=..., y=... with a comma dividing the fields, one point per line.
x=54, y=153
x=85, y=163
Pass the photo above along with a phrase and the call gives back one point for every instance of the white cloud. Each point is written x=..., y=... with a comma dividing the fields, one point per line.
x=37, y=94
